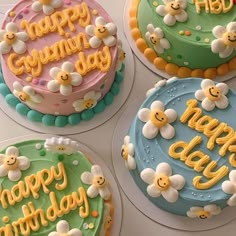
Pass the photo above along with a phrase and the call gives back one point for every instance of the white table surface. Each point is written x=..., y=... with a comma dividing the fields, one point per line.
x=134, y=222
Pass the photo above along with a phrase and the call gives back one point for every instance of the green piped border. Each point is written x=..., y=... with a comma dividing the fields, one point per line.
x=57, y=120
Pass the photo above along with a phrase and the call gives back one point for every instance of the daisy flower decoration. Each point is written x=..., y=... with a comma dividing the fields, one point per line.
x=162, y=182
x=173, y=10
x=10, y=38
x=127, y=152
x=98, y=183
x=11, y=164
x=63, y=228
x=205, y=212
x=47, y=6
x=156, y=37
x=26, y=94
x=61, y=145
x=229, y=187
x=157, y=119
x=64, y=79
x=212, y=95
x=225, y=42
x=89, y=101
x=101, y=32
x=121, y=55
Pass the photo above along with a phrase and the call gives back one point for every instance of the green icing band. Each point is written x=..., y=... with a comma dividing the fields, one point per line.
x=40, y=159
x=57, y=120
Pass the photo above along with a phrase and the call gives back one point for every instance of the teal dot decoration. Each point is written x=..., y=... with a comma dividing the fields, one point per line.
x=58, y=120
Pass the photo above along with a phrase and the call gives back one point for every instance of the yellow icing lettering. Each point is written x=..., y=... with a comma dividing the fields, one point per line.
x=213, y=6
x=228, y=146
x=6, y=198
x=6, y=231
x=232, y=160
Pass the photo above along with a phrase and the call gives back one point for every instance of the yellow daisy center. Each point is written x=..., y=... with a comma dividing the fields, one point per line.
x=162, y=182
x=9, y=38
x=101, y=32
x=203, y=214
x=99, y=181
x=158, y=118
x=229, y=39
x=213, y=93
x=63, y=78
x=173, y=8
x=11, y=162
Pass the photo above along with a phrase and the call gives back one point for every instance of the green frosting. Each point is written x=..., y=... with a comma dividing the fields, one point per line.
x=193, y=51
x=40, y=159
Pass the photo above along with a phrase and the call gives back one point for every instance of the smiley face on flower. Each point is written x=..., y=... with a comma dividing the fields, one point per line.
x=11, y=164
x=89, y=101
x=212, y=95
x=64, y=79
x=157, y=119
x=101, y=32
x=26, y=93
x=205, y=212
x=156, y=37
x=98, y=183
x=127, y=152
x=10, y=38
x=225, y=43
x=173, y=11
x=48, y=6
x=162, y=182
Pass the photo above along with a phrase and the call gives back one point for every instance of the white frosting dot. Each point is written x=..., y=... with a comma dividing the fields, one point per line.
x=198, y=27
x=56, y=113
x=75, y=162
x=186, y=63
x=85, y=226
x=38, y=146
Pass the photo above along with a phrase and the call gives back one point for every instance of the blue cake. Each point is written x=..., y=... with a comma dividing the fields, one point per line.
x=180, y=148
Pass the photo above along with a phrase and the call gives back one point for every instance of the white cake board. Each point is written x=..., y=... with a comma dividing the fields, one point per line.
x=139, y=200
x=98, y=119
x=144, y=60
x=94, y=158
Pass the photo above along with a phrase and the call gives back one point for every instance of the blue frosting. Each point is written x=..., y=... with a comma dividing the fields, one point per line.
x=58, y=120
x=150, y=152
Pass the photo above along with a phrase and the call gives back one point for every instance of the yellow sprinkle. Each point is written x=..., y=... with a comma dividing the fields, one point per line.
x=12, y=14
x=5, y=219
x=67, y=35
x=206, y=40
x=29, y=79
x=95, y=12
x=155, y=4
x=181, y=32
x=91, y=225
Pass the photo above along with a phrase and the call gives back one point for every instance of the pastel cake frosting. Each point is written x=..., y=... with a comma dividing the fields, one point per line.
x=185, y=38
x=61, y=60
x=180, y=148
x=49, y=187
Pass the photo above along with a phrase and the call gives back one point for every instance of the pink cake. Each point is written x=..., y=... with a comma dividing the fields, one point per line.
x=59, y=57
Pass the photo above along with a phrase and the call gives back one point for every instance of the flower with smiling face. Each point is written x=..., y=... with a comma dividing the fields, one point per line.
x=205, y=212
x=48, y=6
x=127, y=152
x=64, y=79
x=212, y=95
x=61, y=145
x=107, y=220
x=229, y=187
x=97, y=181
x=156, y=37
x=121, y=55
x=10, y=38
x=173, y=11
x=12, y=164
x=89, y=101
x=63, y=229
x=225, y=43
x=26, y=94
x=157, y=119
x=101, y=32
x=162, y=182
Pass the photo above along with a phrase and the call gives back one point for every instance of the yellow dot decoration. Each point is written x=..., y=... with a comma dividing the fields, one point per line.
x=181, y=32
x=91, y=225
x=206, y=40
x=12, y=14
x=5, y=219
x=95, y=12
x=29, y=79
x=155, y=4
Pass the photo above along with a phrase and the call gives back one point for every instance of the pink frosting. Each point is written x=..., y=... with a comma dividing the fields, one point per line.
x=55, y=103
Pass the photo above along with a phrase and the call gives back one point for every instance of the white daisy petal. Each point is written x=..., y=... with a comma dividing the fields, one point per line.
x=161, y=10
x=131, y=163
x=144, y=114
x=53, y=86
x=218, y=31
x=231, y=26
x=95, y=42
x=96, y=170
x=19, y=46
x=213, y=209
x=22, y=36
x=167, y=131
x=164, y=168
x=92, y=191
x=68, y=67
x=150, y=28
x=232, y=200
x=111, y=27
x=110, y=41
x=165, y=43
x=171, y=115
x=2, y=33
x=157, y=105
x=126, y=139
x=131, y=149
x=227, y=52
x=76, y=79
x=222, y=103
x=24, y=163
x=159, y=49
x=232, y=177
x=182, y=17
x=65, y=90
x=53, y=234
x=153, y=191
x=217, y=45
x=56, y=3
x=148, y=175
x=90, y=30
x=100, y=21
x=14, y=175
x=200, y=95
x=149, y=130
x=208, y=105
x=12, y=151
x=229, y=187
x=177, y=181
x=171, y=195
x=158, y=31
x=207, y=83
x=62, y=227
x=37, y=6
x=87, y=178
x=74, y=232
x=4, y=47
x=224, y=88
x=3, y=171
x=47, y=9
x=169, y=20
x=54, y=72
x=12, y=27
x=104, y=193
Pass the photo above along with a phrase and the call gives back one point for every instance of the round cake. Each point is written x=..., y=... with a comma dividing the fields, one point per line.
x=180, y=148
x=49, y=187
x=61, y=60
x=185, y=38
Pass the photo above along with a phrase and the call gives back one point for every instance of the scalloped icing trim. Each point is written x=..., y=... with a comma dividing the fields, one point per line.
x=73, y=119
x=171, y=68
